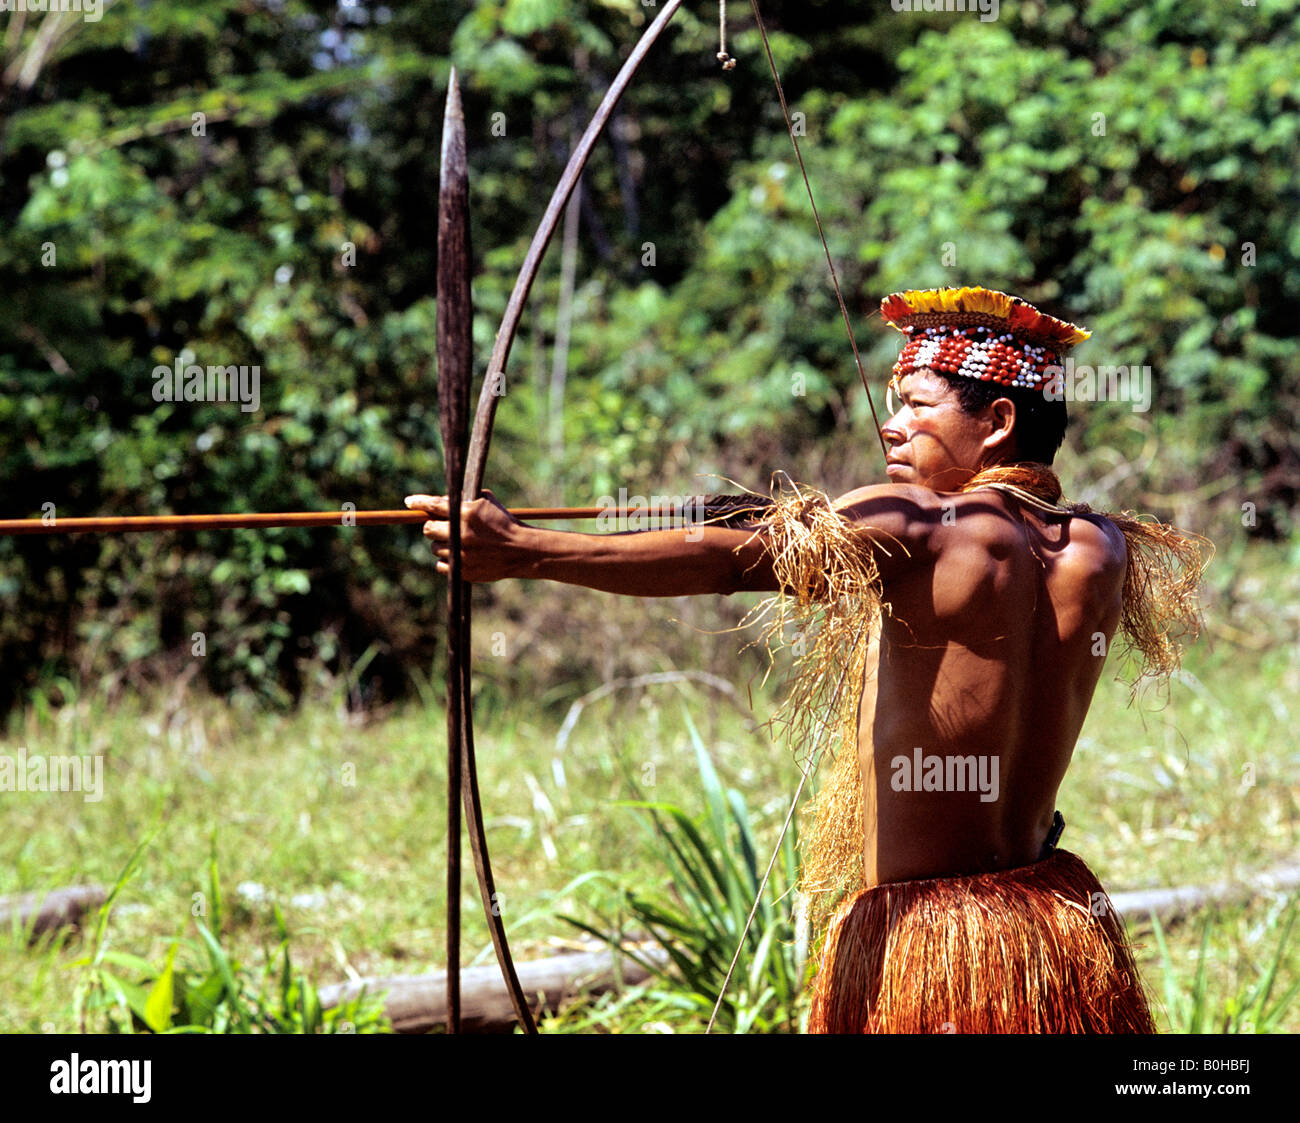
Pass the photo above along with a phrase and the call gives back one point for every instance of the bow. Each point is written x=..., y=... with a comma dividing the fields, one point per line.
x=480, y=440
x=460, y=723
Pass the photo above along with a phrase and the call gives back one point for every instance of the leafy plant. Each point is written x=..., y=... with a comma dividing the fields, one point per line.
x=201, y=988
x=714, y=872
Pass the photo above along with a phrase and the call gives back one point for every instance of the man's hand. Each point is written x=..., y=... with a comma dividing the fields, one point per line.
x=491, y=542
x=683, y=561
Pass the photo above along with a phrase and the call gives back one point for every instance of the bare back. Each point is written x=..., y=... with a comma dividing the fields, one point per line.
x=987, y=667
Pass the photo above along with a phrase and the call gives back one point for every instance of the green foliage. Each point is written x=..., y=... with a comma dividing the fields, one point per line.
x=715, y=872
x=127, y=994
x=1254, y=1005
x=1102, y=172
x=1157, y=795
x=291, y=228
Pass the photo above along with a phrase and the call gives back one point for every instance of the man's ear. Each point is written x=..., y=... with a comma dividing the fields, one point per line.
x=1001, y=415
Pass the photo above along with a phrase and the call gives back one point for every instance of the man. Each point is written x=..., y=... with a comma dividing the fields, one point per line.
x=1000, y=608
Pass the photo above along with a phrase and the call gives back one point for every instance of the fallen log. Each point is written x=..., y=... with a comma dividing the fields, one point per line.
x=1142, y=904
x=43, y=912
x=418, y=1003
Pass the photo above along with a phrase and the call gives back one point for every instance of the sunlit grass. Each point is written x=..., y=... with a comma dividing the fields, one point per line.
x=342, y=821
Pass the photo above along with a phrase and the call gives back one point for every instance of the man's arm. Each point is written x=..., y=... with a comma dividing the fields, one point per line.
x=654, y=563
x=897, y=519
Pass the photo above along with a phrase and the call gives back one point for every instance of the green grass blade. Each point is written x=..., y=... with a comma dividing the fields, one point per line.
x=158, y=1006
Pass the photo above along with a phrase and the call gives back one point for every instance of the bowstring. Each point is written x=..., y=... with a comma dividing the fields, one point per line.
x=817, y=218
x=728, y=62
x=805, y=772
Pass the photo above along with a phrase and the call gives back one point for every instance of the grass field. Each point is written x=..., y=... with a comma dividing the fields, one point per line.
x=340, y=819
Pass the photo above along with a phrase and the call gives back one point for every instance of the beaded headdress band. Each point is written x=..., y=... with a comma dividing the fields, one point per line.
x=977, y=333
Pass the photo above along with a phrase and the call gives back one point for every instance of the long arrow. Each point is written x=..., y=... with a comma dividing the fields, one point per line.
x=704, y=507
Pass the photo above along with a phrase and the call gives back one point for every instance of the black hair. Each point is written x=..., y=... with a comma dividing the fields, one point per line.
x=1040, y=423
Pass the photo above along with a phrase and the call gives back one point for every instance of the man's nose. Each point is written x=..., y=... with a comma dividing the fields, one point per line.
x=892, y=436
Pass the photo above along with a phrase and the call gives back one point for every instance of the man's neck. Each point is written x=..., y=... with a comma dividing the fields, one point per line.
x=1036, y=480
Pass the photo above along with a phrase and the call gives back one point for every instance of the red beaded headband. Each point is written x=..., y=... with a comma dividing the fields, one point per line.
x=977, y=333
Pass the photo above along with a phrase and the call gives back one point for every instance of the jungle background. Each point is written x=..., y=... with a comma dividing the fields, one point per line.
x=254, y=182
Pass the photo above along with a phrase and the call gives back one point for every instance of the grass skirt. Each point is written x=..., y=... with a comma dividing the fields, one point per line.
x=1037, y=949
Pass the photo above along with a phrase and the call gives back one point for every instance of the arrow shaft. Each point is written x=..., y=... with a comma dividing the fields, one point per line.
x=270, y=520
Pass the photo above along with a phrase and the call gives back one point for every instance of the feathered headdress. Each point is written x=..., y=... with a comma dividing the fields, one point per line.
x=978, y=333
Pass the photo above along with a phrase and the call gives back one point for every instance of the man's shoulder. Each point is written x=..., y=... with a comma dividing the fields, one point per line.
x=1099, y=544
x=874, y=497
x=892, y=515
x=1087, y=542
x=1097, y=528
x=943, y=518
x=986, y=517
